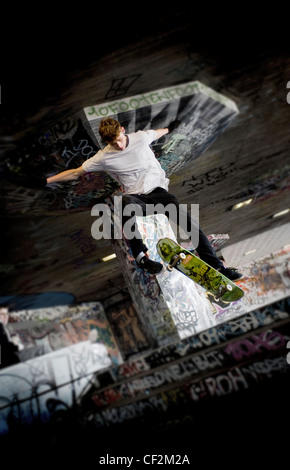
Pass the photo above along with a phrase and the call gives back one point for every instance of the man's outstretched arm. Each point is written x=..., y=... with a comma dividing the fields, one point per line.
x=67, y=175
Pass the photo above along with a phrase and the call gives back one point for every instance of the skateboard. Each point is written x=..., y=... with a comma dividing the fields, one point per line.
x=215, y=283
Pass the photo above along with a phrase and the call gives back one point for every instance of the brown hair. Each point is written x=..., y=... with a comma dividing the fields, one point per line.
x=109, y=129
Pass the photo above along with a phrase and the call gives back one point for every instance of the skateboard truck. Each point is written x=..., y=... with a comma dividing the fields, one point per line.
x=176, y=260
x=222, y=290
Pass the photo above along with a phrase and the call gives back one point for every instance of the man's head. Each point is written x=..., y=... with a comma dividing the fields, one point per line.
x=112, y=133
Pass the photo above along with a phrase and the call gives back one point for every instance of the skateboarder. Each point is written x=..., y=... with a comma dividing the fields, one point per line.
x=129, y=159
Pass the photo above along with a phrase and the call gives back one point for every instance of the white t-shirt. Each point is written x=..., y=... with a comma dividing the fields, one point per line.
x=135, y=168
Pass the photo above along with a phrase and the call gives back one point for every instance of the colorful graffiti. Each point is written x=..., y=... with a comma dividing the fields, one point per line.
x=228, y=333
x=228, y=358
x=40, y=331
x=224, y=359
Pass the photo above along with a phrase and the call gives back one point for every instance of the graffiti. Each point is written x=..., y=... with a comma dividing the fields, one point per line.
x=66, y=140
x=209, y=178
x=193, y=63
x=186, y=316
x=139, y=101
x=226, y=332
x=260, y=190
x=121, y=86
x=65, y=145
x=58, y=131
x=77, y=198
x=266, y=187
x=218, y=385
x=169, y=146
x=264, y=283
x=27, y=389
x=128, y=330
x=256, y=344
x=266, y=277
x=271, y=185
x=82, y=148
x=238, y=379
x=129, y=369
x=22, y=200
x=53, y=328
x=146, y=284
x=133, y=410
x=168, y=375
x=82, y=241
x=156, y=97
x=168, y=163
x=196, y=365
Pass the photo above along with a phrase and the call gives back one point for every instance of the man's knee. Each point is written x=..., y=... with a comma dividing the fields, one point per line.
x=132, y=205
x=171, y=199
x=129, y=199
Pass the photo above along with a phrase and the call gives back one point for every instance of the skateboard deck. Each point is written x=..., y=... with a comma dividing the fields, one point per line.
x=200, y=272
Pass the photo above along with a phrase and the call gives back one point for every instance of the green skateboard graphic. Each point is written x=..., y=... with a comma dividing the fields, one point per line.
x=200, y=272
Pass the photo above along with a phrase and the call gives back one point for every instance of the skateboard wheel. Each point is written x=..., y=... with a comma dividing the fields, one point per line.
x=182, y=255
x=170, y=268
x=229, y=287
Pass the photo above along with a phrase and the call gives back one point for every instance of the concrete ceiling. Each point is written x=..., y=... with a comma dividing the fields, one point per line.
x=53, y=73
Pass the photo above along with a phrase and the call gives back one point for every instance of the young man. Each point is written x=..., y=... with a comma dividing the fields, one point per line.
x=130, y=160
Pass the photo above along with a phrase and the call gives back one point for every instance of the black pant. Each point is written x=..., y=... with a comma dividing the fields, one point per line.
x=161, y=196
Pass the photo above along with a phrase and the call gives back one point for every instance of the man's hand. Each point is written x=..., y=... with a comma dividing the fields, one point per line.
x=173, y=125
x=34, y=181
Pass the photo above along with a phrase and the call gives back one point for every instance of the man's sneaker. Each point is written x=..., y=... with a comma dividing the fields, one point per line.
x=231, y=273
x=153, y=267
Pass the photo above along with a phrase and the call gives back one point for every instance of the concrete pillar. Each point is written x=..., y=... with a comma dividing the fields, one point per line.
x=170, y=306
